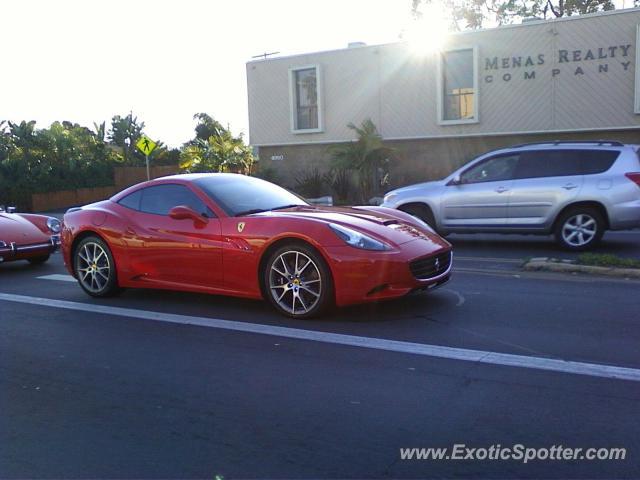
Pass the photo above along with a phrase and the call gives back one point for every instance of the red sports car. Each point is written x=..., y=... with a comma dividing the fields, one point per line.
x=27, y=237
x=236, y=235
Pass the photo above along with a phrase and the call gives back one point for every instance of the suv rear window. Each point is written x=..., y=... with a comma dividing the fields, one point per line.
x=597, y=161
x=562, y=163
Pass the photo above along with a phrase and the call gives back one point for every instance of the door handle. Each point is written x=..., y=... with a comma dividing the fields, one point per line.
x=570, y=186
x=502, y=189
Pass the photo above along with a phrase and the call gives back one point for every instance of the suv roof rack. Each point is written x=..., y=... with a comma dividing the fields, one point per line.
x=569, y=142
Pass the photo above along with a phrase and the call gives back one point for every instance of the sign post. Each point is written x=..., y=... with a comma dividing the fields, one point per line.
x=146, y=146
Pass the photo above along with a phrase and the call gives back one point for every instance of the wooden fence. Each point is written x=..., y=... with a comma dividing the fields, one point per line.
x=123, y=177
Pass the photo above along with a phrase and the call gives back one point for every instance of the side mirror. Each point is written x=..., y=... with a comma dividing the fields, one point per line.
x=182, y=212
x=455, y=181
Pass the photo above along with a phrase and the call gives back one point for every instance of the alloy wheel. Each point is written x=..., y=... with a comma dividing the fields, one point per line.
x=295, y=282
x=579, y=230
x=93, y=267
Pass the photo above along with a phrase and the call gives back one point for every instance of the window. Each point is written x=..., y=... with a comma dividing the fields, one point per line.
x=458, y=88
x=306, y=115
x=597, y=161
x=132, y=200
x=161, y=199
x=493, y=170
x=563, y=163
x=237, y=193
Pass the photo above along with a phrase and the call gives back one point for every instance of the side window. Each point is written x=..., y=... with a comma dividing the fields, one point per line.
x=160, y=199
x=493, y=170
x=549, y=163
x=597, y=161
x=132, y=200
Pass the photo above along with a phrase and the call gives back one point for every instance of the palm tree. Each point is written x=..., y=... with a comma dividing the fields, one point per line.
x=365, y=157
x=219, y=152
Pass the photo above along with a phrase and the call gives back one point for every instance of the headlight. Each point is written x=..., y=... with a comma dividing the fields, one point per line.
x=389, y=198
x=357, y=239
x=53, y=224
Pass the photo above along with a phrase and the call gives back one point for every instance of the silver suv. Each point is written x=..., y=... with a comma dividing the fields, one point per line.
x=574, y=190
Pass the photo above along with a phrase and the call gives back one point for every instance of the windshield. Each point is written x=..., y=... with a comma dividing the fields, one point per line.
x=239, y=194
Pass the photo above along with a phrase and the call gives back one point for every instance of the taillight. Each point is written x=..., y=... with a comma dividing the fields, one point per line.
x=634, y=177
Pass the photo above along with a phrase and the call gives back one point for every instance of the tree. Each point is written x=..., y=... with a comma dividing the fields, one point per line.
x=124, y=133
x=473, y=14
x=367, y=157
x=62, y=157
x=220, y=151
x=207, y=127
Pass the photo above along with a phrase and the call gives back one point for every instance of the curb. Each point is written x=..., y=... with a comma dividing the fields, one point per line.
x=566, y=266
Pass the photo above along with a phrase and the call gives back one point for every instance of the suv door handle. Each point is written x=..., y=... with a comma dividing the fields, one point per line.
x=570, y=186
x=502, y=189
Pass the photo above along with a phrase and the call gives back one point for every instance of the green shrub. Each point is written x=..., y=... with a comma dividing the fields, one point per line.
x=607, y=260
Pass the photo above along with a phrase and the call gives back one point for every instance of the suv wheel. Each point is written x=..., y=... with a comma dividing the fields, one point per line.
x=424, y=213
x=579, y=229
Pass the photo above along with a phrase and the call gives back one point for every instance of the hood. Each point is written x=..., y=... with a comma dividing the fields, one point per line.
x=382, y=223
x=14, y=228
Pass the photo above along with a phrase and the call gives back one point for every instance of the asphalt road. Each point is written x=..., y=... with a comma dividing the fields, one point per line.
x=172, y=385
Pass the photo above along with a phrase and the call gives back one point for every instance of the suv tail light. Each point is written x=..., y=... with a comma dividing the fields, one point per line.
x=634, y=177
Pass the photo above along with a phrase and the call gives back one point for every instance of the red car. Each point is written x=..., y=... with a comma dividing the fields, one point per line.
x=236, y=235
x=27, y=237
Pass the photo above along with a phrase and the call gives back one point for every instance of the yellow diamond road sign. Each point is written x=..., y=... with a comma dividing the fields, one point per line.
x=146, y=145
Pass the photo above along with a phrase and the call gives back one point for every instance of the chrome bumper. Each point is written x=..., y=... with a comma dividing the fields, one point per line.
x=11, y=251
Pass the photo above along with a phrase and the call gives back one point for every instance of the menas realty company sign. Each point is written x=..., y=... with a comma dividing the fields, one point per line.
x=570, y=62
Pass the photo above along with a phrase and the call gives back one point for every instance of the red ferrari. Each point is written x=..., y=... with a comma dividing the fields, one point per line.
x=236, y=235
x=27, y=237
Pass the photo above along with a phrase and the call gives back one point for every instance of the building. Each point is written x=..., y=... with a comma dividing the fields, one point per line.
x=563, y=79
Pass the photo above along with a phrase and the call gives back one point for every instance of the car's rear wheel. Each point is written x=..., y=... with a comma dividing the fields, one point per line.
x=95, y=268
x=579, y=229
x=298, y=282
x=38, y=260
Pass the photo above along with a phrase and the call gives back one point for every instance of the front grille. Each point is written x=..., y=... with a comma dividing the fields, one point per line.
x=428, y=267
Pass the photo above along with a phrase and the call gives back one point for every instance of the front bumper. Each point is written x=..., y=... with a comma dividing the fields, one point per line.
x=13, y=251
x=370, y=277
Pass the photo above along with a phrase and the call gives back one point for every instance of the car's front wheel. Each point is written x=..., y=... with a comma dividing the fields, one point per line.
x=298, y=282
x=95, y=268
x=579, y=229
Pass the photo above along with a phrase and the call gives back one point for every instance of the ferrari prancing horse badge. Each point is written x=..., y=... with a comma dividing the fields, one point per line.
x=240, y=227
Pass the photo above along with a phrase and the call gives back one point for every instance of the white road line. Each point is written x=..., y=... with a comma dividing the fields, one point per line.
x=58, y=277
x=460, y=297
x=451, y=353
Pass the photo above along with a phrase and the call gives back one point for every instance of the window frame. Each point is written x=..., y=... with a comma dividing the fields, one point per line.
x=440, y=87
x=293, y=113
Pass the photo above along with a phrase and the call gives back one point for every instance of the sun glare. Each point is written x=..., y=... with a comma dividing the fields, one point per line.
x=428, y=34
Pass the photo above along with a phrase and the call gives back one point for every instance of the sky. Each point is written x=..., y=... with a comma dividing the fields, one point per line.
x=85, y=61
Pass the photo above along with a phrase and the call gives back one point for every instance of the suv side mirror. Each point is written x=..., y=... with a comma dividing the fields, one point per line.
x=455, y=181
x=183, y=212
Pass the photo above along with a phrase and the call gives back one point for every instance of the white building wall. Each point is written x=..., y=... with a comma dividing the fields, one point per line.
x=398, y=89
